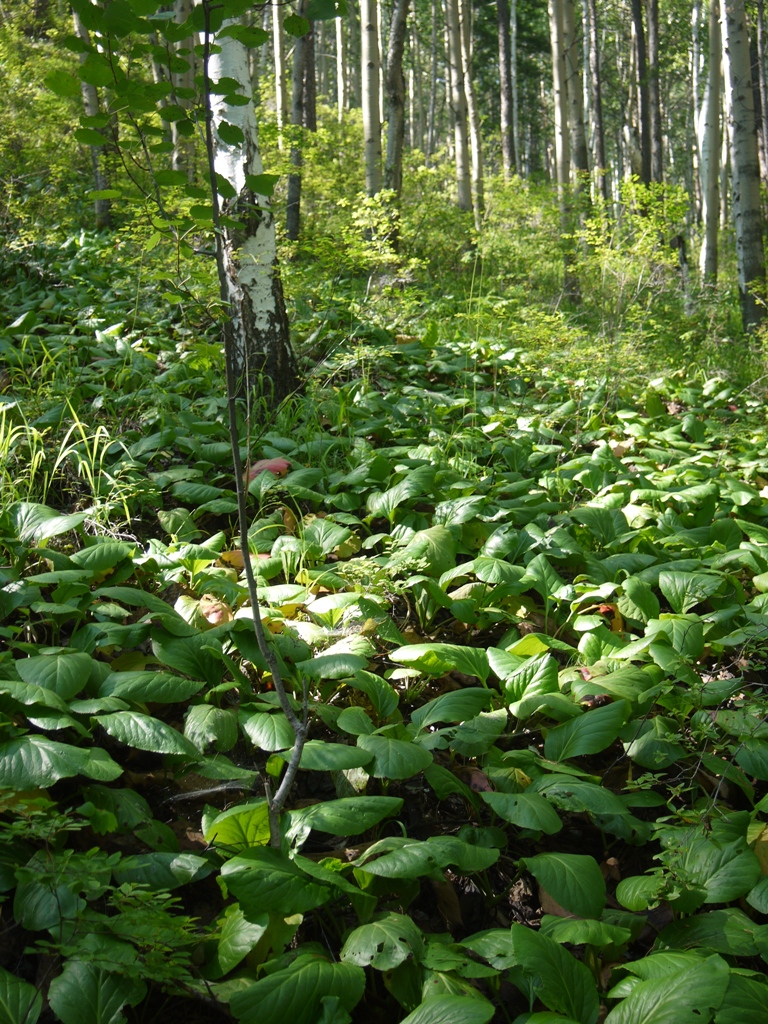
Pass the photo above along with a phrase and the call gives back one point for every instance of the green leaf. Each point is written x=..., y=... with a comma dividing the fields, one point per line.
x=263, y=185
x=746, y=999
x=564, y=983
x=684, y=590
x=296, y=26
x=64, y=673
x=398, y=857
x=432, y=551
x=230, y=134
x=241, y=826
x=206, y=724
x=457, y=706
x=64, y=84
x=29, y=522
x=573, y=880
x=157, y=871
x=590, y=733
x=264, y=879
x=237, y=938
x=267, y=731
x=451, y=1009
x=34, y=762
x=296, y=993
x=384, y=699
x=154, y=687
x=688, y=997
x=146, y=733
x=384, y=943
x=394, y=759
x=319, y=756
x=349, y=816
x=580, y=932
x=101, y=193
x=332, y=666
x=437, y=659
x=728, y=931
x=526, y=810
x=85, y=994
x=19, y=1001
x=537, y=675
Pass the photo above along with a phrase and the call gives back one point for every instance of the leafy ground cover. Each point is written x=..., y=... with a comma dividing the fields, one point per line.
x=525, y=616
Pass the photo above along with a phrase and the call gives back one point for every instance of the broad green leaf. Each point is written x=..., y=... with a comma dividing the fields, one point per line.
x=592, y=732
x=746, y=999
x=637, y=601
x=162, y=870
x=197, y=655
x=728, y=931
x=584, y=932
x=295, y=993
x=64, y=673
x=383, y=697
x=320, y=756
x=28, y=694
x=477, y=736
x=34, y=762
x=85, y=994
x=653, y=743
x=206, y=724
x=430, y=551
x=384, y=943
x=410, y=858
x=146, y=733
x=332, y=666
x=266, y=880
x=437, y=659
x=394, y=759
x=574, y=794
x=241, y=826
x=19, y=1001
x=149, y=687
x=349, y=816
x=450, y=1009
x=356, y=721
x=537, y=675
x=267, y=731
x=526, y=810
x=573, y=880
x=237, y=938
x=415, y=484
x=27, y=522
x=564, y=983
x=688, y=997
x=458, y=706
x=639, y=892
x=684, y=590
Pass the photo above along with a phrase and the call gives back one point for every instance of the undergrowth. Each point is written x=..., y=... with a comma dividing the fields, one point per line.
x=514, y=558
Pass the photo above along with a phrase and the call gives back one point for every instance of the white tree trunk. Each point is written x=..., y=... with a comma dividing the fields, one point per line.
x=709, y=150
x=458, y=105
x=341, y=69
x=278, y=49
x=475, y=134
x=263, y=359
x=371, y=76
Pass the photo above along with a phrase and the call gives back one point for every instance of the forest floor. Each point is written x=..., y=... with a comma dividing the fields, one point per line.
x=526, y=608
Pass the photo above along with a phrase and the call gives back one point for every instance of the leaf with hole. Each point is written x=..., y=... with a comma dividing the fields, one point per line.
x=384, y=943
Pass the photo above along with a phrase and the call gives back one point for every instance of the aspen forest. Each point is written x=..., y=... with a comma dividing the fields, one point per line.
x=383, y=512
